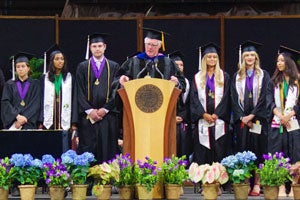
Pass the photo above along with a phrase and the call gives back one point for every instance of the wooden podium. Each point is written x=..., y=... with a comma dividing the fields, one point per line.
x=149, y=118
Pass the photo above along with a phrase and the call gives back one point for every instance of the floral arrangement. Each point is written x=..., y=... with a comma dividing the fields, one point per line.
x=145, y=173
x=295, y=172
x=275, y=169
x=26, y=170
x=5, y=173
x=240, y=166
x=103, y=174
x=126, y=170
x=55, y=173
x=77, y=165
x=174, y=171
x=208, y=174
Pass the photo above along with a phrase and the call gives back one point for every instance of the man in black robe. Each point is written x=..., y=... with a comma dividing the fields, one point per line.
x=20, y=102
x=184, y=138
x=151, y=62
x=97, y=129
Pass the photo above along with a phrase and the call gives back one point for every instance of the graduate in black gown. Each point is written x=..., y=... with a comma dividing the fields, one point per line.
x=20, y=103
x=98, y=129
x=184, y=138
x=248, y=92
x=210, y=108
x=151, y=62
x=59, y=95
x=283, y=105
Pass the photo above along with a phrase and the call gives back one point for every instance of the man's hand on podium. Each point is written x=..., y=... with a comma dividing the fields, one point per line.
x=123, y=79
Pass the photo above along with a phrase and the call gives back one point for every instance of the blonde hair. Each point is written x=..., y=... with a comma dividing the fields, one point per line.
x=242, y=68
x=217, y=72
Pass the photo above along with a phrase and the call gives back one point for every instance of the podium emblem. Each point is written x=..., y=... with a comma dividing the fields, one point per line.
x=149, y=98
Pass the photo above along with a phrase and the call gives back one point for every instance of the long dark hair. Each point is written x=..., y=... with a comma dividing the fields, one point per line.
x=64, y=70
x=290, y=70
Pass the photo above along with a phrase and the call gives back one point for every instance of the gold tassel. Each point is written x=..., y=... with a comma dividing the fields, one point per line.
x=163, y=41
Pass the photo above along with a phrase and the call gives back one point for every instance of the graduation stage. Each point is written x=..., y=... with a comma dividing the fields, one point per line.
x=35, y=142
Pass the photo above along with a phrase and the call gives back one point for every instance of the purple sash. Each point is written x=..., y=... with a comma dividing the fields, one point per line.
x=95, y=69
x=22, y=91
x=249, y=81
x=210, y=82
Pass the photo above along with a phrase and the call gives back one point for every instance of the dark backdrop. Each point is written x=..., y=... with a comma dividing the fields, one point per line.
x=186, y=34
x=121, y=42
x=29, y=35
x=270, y=32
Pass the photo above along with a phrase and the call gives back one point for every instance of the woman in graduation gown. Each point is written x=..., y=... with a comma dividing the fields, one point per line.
x=59, y=95
x=283, y=105
x=20, y=103
x=210, y=108
x=248, y=92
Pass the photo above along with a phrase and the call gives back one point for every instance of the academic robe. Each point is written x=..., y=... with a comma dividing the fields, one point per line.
x=246, y=140
x=184, y=137
x=286, y=142
x=57, y=108
x=100, y=138
x=11, y=107
x=218, y=148
x=133, y=66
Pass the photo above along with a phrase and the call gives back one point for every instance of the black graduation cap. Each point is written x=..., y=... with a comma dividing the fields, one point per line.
x=250, y=46
x=156, y=34
x=97, y=37
x=210, y=48
x=176, y=55
x=23, y=57
x=94, y=38
x=294, y=54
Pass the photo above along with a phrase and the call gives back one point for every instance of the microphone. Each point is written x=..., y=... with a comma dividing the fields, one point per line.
x=156, y=68
x=145, y=68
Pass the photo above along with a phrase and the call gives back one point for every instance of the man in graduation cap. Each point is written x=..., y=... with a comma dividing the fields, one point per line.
x=20, y=103
x=283, y=105
x=184, y=135
x=98, y=129
x=210, y=107
x=248, y=96
x=151, y=62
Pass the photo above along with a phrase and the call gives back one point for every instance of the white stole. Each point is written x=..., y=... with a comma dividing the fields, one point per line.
x=187, y=89
x=290, y=102
x=203, y=125
x=49, y=101
x=240, y=87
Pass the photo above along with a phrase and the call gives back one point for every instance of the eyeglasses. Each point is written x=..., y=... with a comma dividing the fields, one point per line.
x=151, y=45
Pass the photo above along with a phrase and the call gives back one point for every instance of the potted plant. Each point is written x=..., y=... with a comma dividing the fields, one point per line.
x=126, y=179
x=211, y=177
x=174, y=173
x=56, y=176
x=5, y=177
x=145, y=176
x=26, y=171
x=240, y=168
x=295, y=173
x=78, y=167
x=104, y=174
x=273, y=173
